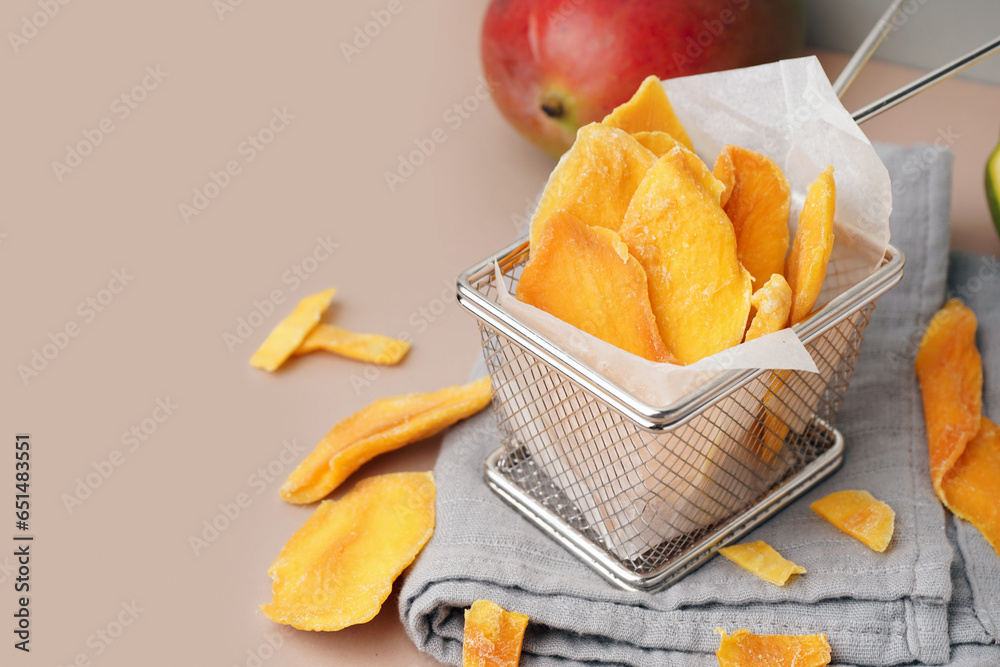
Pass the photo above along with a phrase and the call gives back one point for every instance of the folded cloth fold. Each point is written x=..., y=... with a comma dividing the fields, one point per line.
x=932, y=598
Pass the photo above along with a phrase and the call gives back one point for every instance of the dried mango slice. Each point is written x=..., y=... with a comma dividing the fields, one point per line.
x=493, y=636
x=761, y=559
x=585, y=276
x=772, y=303
x=595, y=179
x=725, y=171
x=758, y=206
x=385, y=425
x=972, y=486
x=699, y=292
x=661, y=143
x=743, y=649
x=363, y=347
x=291, y=331
x=964, y=445
x=806, y=265
x=338, y=568
x=950, y=372
x=860, y=515
x=712, y=185
x=649, y=110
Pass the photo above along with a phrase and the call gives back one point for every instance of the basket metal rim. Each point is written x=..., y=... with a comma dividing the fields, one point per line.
x=659, y=417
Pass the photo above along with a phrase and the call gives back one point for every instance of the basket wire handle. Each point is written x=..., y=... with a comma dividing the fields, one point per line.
x=926, y=81
x=867, y=48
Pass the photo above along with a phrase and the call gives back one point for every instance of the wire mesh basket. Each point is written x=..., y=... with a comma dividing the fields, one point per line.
x=645, y=493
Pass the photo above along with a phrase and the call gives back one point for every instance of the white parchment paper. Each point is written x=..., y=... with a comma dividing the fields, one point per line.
x=789, y=112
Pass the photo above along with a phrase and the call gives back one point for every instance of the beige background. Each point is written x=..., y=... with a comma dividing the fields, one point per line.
x=162, y=336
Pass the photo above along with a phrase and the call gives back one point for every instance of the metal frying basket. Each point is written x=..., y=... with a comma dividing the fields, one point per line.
x=642, y=493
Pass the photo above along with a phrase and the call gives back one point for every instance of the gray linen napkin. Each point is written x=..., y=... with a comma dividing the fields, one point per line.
x=924, y=601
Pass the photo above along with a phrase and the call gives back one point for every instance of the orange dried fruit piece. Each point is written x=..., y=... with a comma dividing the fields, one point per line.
x=385, y=425
x=767, y=436
x=743, y=649
x=725, y=171
x=661, y=143
x=363, y=347
x=806, y=265
x=972, y=486
x=772, y=303
x=585, y=276
x=758, y=205
x=950, y=371
x=699, y=292
x=649, y=110
x=761, y=559
x=964, y=445
x=338, y=568
x=860, y=515
x=291, y=331
x=595, y=179
x=493, y=636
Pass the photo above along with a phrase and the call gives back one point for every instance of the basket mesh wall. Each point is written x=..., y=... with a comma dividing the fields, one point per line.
x=647, y=497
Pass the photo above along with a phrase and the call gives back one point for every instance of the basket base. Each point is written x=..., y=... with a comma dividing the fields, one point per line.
x=577, y=541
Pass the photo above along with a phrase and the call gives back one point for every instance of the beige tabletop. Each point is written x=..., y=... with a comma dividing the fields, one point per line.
x=171, y=170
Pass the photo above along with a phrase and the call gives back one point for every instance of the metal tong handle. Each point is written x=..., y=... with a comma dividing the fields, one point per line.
x=926, y=81
x=867, y=48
